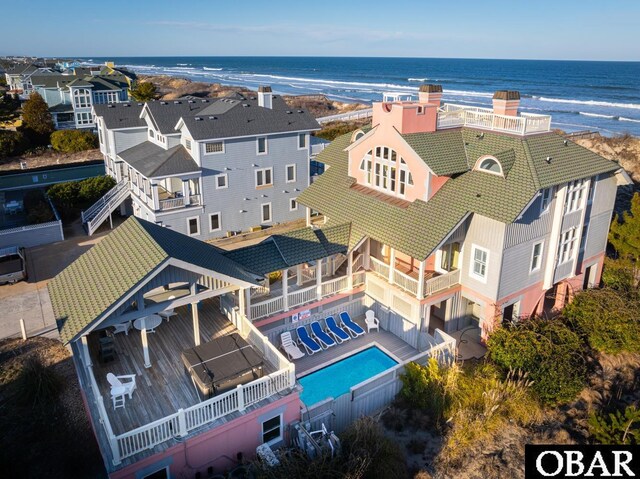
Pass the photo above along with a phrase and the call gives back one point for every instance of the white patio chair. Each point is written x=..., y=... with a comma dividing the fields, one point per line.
x=372, y=321
x=121, y=388
x=167, y=314
x=122, y=328
x=289, y=346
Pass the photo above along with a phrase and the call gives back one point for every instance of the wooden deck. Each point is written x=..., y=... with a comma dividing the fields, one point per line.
x=389, y=341
x=165, y=387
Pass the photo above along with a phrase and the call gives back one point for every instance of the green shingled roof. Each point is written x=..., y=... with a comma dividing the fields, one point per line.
x=93, y=283
x=295, y=247
x=442, y=151
x=420, y=228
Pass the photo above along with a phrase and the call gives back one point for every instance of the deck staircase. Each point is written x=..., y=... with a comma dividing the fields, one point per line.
x=93, y=217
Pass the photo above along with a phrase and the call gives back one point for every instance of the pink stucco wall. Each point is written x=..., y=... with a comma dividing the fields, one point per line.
x=214, y=447
x=436, y=183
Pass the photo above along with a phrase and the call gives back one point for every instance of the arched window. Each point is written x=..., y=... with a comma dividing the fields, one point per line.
x=357, y=135
x=490, y=165
x=82, y=98
x=386, y=170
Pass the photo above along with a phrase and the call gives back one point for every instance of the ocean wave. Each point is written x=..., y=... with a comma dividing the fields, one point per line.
x=183, y=64
x=212, y=69
x=598, y=115
x=633, y=106
x=622, y=118
x=421, y=79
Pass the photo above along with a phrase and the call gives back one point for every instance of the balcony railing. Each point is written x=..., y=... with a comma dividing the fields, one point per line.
x=451, y=116
x=173, y=203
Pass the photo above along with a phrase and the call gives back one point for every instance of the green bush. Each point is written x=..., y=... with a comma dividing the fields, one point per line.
x=12, y=143
x=552, y=355
x=65, y=196
x=429, y=387
x=607, y=319
x=37, y=207
x=616, y=428
x=333, y=130
x=92, y=189
x=70, y=141
x=619, y=275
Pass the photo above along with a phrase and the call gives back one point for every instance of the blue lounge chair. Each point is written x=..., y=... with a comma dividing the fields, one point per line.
x=354, y=329
x=323, y=338
x=339, y=334
x=307, y=341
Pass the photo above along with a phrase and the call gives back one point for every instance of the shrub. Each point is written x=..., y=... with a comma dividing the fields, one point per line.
x=70, y=141
x=144, y=91
x=40, y=385
x=65, y=195
x=617, y=428
x=619, y=274
x=333, y=130
x=12, y=143
x=607, y=319
x=551, y=354
x=38, y=124
x=92, y=189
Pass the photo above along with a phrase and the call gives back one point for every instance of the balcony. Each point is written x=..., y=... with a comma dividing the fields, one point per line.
x=407, y=279
x=453, y=116
x=178, y=202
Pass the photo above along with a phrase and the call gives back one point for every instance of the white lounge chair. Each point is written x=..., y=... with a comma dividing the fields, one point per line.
x=290, y=347
x=372, y=321
x=122, y=328
x=121, y=388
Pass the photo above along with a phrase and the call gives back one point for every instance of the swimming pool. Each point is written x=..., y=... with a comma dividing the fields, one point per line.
x=337, y=378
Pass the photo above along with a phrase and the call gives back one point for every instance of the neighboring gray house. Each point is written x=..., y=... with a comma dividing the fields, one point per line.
x=205, y=167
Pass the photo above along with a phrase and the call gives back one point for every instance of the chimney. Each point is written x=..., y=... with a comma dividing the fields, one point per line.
x=431, y=94
x=265, y=97
x=506, y=102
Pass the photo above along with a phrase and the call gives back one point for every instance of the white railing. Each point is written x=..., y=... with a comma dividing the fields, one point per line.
x=338, y=261
x=352, y=115
x=258, y=291
x=101, y=209
x=406, y=282
x=439, y=283
x=379, y=267
x=171, y=204
x=450, y=116
x=334, y=286
x=194, y=200
x=267, y=308
x=302, y=296
x=308, y=274
x=359, y=278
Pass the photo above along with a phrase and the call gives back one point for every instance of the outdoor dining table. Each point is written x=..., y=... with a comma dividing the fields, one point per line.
x=148, y=322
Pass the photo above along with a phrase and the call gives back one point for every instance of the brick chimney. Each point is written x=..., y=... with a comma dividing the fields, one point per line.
x=506, y=102
x=431, y=94
x=265, y=97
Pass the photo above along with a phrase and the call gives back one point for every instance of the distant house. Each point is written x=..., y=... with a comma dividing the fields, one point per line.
x=19, y=77
x=208, y=167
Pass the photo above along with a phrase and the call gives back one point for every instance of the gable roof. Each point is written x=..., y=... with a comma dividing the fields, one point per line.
x=97, y=280
x=240, y=116
x=165, y=114
x=290, y=249
x=419, y=228
x=442, y=151
x=120, y=115
x=154, y=161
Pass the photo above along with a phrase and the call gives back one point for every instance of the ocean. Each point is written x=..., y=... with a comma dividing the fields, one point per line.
x=580, y=95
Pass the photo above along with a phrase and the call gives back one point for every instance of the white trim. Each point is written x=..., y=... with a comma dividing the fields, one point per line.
x=280, y=427
x=472, y=273
x=293, y=200
x=266, y=146
x=219, y=214
x=483, y=158
x=226, y=181
x=265, y=185
x=546, y=209
x=540, y=257
x=181, y=124
x=295, y=173
x=163, y=468
x=262, y=220
x=197, y=218
x=205, y=143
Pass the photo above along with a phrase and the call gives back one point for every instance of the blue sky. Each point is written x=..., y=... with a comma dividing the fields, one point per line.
x=538, y=29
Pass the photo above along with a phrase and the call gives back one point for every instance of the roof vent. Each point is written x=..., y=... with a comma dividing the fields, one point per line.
x=140, y=104
x=300, y=111
x=252, y=98
x=549, y=159
x=246, y=105
x=566, y=142
x=213, y=118
x=191, y=101
x=109, y=105
x=203, y=101
x=177, y=102
x=126, y=104
x=288, y=112
x=163, y=102
x=198, y=118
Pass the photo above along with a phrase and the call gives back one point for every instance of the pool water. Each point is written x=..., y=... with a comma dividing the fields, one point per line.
x=338, y=378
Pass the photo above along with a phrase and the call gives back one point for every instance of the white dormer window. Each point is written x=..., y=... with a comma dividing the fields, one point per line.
x=386, y=170
x=545, y=202
x=82, y=98
x=490, y=165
